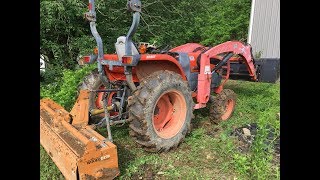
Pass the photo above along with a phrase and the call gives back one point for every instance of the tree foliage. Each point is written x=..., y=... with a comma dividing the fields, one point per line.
x=65, y=34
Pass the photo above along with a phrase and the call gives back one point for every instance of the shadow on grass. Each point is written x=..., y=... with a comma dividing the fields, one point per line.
x=124, y=147
x=200, y=117
x=125, y=157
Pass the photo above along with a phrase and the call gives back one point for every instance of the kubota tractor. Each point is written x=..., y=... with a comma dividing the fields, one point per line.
x=155, y=93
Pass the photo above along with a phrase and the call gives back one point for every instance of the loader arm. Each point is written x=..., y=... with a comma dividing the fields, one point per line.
x=205, y=75
x=236, y=47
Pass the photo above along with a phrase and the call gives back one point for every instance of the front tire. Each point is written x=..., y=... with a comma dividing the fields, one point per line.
x=160, y=111
x=223, y=105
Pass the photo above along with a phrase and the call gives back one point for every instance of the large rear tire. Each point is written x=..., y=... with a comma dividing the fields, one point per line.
x=160, y=111
x=223, y=105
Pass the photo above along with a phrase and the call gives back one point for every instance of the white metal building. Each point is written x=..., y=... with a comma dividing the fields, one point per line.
x=264, y=28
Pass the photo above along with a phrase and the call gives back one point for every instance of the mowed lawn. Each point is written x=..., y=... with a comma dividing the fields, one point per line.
x=209, y=151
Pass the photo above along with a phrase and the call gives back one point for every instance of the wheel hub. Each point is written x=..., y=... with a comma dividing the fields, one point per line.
x=169, y=114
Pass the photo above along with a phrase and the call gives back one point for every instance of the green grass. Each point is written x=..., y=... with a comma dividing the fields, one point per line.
x=208, y=152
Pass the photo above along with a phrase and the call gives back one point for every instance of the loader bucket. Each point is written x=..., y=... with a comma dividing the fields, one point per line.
x=78, y=151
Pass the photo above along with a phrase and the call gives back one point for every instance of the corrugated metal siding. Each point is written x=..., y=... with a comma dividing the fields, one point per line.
x=264, y=30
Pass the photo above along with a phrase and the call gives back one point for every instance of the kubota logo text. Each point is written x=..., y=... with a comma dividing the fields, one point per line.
x=98, y=159
x=151, y=56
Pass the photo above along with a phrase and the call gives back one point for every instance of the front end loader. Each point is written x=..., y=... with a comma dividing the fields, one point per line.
x=156, y=93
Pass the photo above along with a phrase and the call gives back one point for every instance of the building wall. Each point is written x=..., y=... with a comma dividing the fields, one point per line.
x=264, y=29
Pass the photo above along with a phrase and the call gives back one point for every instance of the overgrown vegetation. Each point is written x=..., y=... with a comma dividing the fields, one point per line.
x=64, y=90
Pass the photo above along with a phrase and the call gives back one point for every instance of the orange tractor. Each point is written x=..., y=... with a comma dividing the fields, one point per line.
x=155, y=93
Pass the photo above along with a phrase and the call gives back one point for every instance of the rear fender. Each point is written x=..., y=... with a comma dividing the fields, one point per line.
x=150, y=63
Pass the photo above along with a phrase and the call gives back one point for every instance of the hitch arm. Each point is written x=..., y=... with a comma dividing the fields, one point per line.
x=134, y=6
x=91, y=17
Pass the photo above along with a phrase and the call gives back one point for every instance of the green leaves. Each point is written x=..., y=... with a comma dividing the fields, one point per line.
x=65, y=35
x=61, y=23
x=225, y=20
x=64, y=91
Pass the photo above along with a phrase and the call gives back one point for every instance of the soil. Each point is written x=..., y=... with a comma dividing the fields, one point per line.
x=146, y=172
x=45, y=116
x=244, y=142
x=75, y=144
x=214, y=132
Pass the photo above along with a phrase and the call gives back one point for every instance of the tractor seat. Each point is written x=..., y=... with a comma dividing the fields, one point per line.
x=120, y=47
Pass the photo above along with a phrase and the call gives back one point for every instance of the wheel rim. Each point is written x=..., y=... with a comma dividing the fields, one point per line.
x=228, y=109
x=169, y=114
